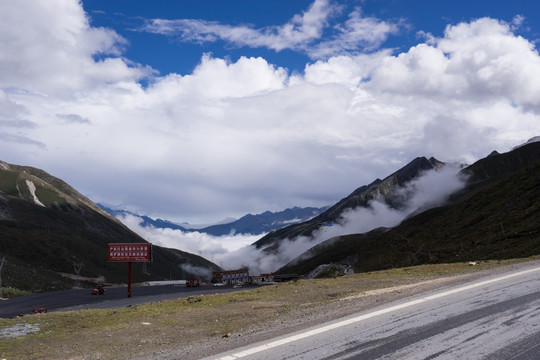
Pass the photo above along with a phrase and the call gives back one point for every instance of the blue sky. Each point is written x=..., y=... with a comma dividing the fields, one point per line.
x=171, y=53
x=203, y=110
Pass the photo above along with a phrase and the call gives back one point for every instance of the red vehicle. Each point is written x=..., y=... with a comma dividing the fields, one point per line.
x=99, y=290
x=39, y=310
x=193, y=283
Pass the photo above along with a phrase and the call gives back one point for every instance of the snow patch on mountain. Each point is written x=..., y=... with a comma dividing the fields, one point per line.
x=32, y=188
x=4, y=165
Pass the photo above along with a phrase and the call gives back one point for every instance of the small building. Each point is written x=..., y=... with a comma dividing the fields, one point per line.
x=263, y=278
x=231, y=277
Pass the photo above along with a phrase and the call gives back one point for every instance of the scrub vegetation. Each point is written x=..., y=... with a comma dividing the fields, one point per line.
x=204, y=324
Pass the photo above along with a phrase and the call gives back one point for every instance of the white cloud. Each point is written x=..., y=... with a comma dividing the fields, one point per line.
x=51, y=48
x=215, y=79
x=214, y=248
x=243, y=136
x=517, y=22
x=432, y=188
x=358, y=32
x=300, y=30
x=229, y=252
x=302, y=33
x=474, y=62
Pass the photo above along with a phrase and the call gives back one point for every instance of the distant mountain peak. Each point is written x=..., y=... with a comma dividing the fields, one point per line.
x=385, y=190
x=248, y=224
x=502, y=191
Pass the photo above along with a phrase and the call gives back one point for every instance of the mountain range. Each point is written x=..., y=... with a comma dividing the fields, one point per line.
x=247, y=224
x=385, y=190
x=494, y=216
x=48, y=227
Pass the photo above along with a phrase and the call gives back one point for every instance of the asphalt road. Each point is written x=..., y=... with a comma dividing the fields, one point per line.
x=492, y=318
x=115, y=297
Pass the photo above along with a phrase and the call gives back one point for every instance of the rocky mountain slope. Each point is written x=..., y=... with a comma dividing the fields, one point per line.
x=47, y=228
x=496, y=216
x=385, y=190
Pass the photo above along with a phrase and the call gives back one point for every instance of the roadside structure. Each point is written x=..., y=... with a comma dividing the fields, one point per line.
x=231, y=277
x=263, y=278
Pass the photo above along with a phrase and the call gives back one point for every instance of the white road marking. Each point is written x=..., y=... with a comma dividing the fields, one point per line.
x=359, y=318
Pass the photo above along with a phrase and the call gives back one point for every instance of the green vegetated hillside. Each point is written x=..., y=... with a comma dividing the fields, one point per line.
x=46, y=227
x=496, y=216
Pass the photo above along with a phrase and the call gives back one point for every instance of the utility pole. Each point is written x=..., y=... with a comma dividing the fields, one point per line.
x=1, y=265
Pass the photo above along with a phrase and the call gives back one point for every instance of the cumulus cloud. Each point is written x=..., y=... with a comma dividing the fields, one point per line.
x=51, y=48
x=479, y=62
x=234, y=137
x=302, y=33
x=215, y=79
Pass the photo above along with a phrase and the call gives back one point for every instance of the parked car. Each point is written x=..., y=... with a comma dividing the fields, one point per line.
x=193, y=283
x=98, y=290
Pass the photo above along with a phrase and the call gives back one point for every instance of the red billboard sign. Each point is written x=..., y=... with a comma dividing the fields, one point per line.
x=130, y=252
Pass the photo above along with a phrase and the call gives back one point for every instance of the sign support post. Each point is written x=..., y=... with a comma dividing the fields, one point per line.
x=129, y=279
x=130, y=252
